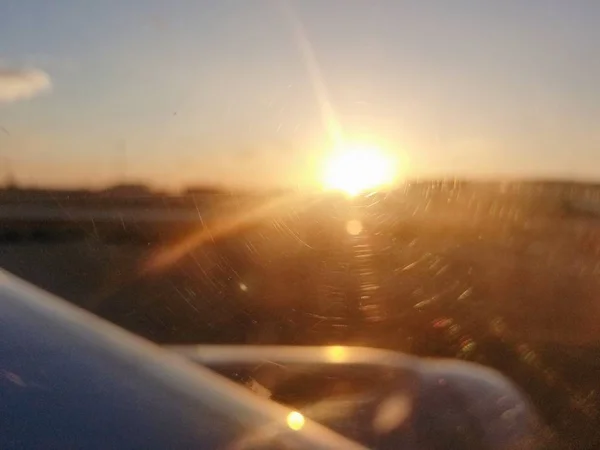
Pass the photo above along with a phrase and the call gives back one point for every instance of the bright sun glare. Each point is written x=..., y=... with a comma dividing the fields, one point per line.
x=357, y=168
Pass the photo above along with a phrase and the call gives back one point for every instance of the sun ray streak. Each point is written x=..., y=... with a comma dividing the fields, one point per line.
x=328, y=115
x=226, y=225
x=168, y=256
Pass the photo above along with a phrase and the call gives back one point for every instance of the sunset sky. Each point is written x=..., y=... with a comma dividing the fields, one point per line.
x=235, y=91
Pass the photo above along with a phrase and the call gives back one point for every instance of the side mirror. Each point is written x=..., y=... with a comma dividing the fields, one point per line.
x=383, y=399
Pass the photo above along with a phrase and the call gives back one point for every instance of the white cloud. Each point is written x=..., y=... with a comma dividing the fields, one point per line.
x=18, y=84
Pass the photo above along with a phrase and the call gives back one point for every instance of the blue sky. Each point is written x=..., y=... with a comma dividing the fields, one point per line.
x=220, y=91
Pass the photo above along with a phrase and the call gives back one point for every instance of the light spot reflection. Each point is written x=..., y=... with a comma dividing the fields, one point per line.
x=336, y=353
x=295, y=421
x=354, y=227
x=12, y=378
x=392, y=413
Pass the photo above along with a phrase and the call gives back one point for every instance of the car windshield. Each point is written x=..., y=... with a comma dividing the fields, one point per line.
x=411, y=176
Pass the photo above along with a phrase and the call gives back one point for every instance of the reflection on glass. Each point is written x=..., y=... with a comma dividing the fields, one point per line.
x=354, y=227
x=336, y=353
x=295, y=420
x=392, y=413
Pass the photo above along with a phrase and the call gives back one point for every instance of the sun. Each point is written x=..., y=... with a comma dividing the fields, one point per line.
x=357, y=168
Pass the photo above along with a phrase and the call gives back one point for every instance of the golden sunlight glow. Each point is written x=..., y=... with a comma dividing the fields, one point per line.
x=295, y=420
x=354, y=227
x=336, y=353
x=357, y=168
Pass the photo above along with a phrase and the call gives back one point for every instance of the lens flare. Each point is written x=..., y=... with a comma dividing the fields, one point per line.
x=295, y=420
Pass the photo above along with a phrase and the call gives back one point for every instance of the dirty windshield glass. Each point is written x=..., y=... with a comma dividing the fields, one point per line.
x=411, y=176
